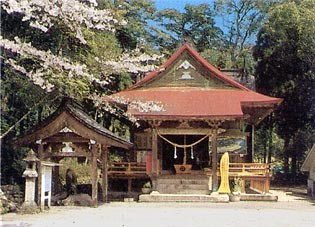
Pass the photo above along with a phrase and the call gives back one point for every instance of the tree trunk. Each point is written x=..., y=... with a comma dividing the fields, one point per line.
x=265, y=150
x=286, y=157
x=270, y=141
x=293, y=165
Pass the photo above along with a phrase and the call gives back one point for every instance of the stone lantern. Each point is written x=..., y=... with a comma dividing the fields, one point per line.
x=30, y=175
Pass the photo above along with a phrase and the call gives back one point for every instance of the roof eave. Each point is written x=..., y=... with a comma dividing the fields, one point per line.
x=185, y=117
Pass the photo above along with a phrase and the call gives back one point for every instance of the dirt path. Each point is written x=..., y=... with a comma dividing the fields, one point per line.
x=291, y=210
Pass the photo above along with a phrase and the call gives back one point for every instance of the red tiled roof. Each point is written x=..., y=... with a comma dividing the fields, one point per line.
x=196, y=102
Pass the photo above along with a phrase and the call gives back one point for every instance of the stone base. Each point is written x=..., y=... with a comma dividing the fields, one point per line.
x=156, y=197
x=259, y=197
x=29, y=208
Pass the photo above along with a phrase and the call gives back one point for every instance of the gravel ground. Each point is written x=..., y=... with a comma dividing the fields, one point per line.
x=292, y=209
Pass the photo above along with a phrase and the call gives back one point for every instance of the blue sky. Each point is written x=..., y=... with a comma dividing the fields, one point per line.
x=178, y=4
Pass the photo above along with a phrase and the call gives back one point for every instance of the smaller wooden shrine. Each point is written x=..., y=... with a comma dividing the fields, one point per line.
x=70, y=132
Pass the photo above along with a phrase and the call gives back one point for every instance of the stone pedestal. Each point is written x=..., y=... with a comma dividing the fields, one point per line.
x=29, y=192
x=30, y=174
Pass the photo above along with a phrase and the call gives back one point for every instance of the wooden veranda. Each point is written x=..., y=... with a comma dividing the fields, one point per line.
x=258, y=175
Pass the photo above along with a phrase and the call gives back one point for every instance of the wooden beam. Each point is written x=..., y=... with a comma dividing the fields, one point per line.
x=58, y=139
x=105, y=173
x=201, y=131
x=68, y=154
x=191, y=131
x=94, y=173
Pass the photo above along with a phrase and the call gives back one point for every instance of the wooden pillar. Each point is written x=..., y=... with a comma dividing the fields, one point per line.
x=94, y=172
x=40, y=170
x=56, y=176
x=105, y=173
x=185, y=154
x=129, y=185
x=214, y=161
x=154, y=157
x=253, y=142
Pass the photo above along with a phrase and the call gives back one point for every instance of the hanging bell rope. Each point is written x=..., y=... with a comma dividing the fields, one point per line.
x=183, y=146
x=175, y=152
x=192, y=152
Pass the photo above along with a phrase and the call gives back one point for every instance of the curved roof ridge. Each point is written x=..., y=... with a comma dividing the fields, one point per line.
x=216, y=72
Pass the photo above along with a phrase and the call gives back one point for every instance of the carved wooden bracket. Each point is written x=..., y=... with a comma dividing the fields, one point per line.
x=215, y=123
x=184, y=124
x=155, y=123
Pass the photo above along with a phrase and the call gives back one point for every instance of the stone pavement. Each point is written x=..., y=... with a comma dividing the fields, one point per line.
x=292, y=209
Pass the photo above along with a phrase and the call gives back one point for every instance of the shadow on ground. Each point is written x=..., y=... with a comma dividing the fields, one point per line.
x=293, y=193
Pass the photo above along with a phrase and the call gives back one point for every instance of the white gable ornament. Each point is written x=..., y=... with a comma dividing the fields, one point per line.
x=66, y=129
x=186, y=65
x=67, y=148
x=186, y=76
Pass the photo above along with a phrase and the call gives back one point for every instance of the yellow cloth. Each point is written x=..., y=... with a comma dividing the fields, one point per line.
x=224, y=172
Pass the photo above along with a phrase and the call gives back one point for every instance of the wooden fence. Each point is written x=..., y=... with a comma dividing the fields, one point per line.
x=126, y=168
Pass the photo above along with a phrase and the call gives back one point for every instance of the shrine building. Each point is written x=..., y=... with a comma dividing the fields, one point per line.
x=198, y=114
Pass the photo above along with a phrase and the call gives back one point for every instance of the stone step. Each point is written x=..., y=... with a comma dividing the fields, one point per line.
x=183, y=189
x=183, y=198
x=182, y=181
x=191, y=192
x=183, y=186
x=184, y=176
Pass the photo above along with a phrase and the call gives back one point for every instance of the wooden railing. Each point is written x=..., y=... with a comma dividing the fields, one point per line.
x=257, y=174
x=249, y=169
x=127, y=168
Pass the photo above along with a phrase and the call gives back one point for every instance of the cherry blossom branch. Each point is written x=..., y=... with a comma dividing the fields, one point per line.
x=47, y=61
x=43, y=14
x=134, y=62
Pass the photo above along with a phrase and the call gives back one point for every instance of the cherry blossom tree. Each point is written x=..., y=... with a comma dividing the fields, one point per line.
x=78, y=20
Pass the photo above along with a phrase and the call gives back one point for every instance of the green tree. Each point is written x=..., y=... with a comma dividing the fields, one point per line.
x=137, y=13
x=241, y=21
x=196, y=23
x=53, y=51
x=285, y=68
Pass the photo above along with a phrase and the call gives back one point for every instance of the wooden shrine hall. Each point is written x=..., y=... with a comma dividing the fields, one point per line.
x=195, y=111
x=70, y=132
x=196, y=114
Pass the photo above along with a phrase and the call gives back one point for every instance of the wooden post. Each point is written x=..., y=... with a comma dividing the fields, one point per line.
x=39, y=166
x=185, y=155
x=94, y=172
x=253, y=142
x=154, y=157
x=105, y=173
x=129, y=184
x=55, y=176
x=214, y=161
